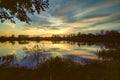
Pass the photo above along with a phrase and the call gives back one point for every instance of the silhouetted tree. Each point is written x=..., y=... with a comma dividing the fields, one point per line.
x=11, y=9
x=13, y=36
x=102, y=32
x=79, y=33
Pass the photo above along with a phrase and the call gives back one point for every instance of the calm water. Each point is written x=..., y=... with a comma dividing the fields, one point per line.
x=30, y=54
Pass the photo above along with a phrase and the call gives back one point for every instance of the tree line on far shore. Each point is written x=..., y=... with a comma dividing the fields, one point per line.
x=103, y=36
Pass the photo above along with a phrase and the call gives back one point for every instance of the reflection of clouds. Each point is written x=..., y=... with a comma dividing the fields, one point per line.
x=78, y=59
x=83, y=54
x=62, y=50
x=60, y=46
x=41, y=51
x=82, y=59
x=90, y=56
x=13, y=52
x=33, y=60
x=35, y=49
x=90, y=48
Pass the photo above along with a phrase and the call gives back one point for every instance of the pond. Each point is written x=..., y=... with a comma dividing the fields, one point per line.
x=29, y=54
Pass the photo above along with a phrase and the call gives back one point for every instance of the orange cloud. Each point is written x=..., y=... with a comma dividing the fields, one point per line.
x=32, y=28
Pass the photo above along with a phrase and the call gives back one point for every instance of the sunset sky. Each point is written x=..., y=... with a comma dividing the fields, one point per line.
x=69, y=16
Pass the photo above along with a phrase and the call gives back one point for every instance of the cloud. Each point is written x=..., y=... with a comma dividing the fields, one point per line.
x=74, y=10
x=32, y=28
x=96, y=10
x=72, y=16
x=112, y=19
x=11, y=25
x=67, y=16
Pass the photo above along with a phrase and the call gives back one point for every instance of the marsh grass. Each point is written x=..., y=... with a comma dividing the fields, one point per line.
x=62, y=69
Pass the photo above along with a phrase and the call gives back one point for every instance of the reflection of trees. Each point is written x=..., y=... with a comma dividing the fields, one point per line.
x=7, y=60
x=13, y=42
x=113, y=54
x=10, y=9
x=115, y=45
x=35, y=49
x=23, y=42
x=37, y=53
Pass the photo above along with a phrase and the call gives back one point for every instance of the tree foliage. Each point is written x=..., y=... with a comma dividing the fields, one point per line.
x=20, y=9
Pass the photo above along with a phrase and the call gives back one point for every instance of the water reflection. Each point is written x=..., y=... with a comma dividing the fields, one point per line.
x=29, y=54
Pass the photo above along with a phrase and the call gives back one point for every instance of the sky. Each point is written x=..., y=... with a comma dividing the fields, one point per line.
x=69, y=16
